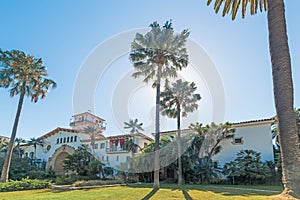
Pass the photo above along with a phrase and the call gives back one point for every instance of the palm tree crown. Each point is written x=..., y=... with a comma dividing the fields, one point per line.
x=180, y=97
x=134, y=126
x=234, y=6
x=24, y=73
x=160, y=47
x=35, y=142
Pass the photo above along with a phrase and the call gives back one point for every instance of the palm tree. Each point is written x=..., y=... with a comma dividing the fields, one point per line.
x=35, y=142
x=282, y=84
x=91, y=131
x=275, y=130
x=134, y=126
x=23, y=75
x=177, y=101
x=18, y=141
x=130, y=145
x=158, y=54
x=214, y=135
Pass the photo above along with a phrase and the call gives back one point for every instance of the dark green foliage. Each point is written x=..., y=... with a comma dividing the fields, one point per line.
x=197, y=169
x=97, y=182
x=24, y=184
x=248, y=168
x=22, y=168
x=65, y=180
x=83, y=163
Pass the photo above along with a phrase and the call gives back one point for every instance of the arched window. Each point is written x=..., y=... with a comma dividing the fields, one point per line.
x=61, y=140
x=68, y=139
x=75, y=138
x=71, y=139
x=64, y=140
x=57, y=141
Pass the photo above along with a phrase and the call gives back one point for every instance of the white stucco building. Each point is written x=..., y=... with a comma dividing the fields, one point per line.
x=61, y=142
x=110, y=150
x=255, y=135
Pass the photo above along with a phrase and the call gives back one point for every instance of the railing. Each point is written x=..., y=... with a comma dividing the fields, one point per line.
x=102, y=125
x=116, y=150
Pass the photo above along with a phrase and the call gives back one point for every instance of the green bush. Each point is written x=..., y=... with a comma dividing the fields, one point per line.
x=65, y=180
x=97, y=182
x=24, y=184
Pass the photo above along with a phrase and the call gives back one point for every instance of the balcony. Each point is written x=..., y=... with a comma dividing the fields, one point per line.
x=75, y=122
x=116, y=150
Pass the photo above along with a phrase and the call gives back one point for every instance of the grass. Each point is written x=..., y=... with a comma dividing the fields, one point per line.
x=144, y=191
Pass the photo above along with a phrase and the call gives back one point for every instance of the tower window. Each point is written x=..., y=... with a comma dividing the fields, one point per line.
x=237, y=140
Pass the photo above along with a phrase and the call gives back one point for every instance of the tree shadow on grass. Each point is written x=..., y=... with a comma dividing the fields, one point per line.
x=150, y=194
x=186, y=195
x=218, y=189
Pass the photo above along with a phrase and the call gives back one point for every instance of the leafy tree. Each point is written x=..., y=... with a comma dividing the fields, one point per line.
x=35, y=142
x=230, y=170
x=197, y=160
x=177, y=101
x=130, y=145
x=214, y=134
x=134, y=126
x=83, y=163
x=23, y=75
x=3, y=145
x=282, y=83
x=246, y=168
x=158, y=54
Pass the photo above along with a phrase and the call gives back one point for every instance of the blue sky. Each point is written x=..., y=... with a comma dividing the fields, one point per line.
x=65, y=32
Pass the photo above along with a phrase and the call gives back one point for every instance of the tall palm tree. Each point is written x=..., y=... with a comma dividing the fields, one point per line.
x=18, y=142
x=282, y=84
x=35, y=142
x=177, y=101
x=158, y=54
x=134, y=126
x=23, y=75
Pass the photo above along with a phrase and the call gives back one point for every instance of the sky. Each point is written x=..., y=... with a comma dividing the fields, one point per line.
x=66, y=33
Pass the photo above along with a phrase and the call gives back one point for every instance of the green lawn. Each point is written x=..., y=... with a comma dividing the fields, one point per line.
x=142, y=191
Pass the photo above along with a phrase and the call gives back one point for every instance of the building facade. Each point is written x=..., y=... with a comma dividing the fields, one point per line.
x=61, y=142
x=111, y=151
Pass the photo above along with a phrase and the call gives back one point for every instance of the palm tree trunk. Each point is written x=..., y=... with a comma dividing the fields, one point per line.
x=157, y=116
x=180, y=178
x=7, y=160
x=283, y=95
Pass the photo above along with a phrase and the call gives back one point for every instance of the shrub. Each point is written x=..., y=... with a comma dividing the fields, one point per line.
x=65, y=180
x=24, y=184
x=97, y=182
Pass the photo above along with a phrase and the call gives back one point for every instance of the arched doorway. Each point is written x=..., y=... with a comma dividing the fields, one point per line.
x=59, y=163
x=56, y=161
